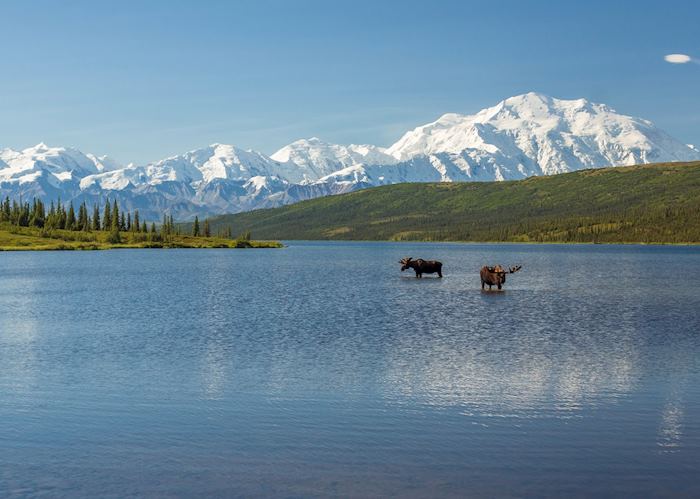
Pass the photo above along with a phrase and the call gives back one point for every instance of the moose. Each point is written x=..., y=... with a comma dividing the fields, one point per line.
x=496, y=276
x=421, y=266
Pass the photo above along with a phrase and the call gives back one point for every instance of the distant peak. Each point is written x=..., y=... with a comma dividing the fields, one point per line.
x=311, y=141
x=528, y=98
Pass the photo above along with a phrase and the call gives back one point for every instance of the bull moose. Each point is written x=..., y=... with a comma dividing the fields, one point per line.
x=421, y=266
x=496, y=276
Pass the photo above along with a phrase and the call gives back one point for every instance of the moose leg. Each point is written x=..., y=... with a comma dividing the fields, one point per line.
x=482, y=285
x=440, y=273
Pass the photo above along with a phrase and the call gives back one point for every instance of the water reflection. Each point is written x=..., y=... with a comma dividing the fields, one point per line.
x=510, y=381
x=20, y=307
x=671, y=427
x=212, y=368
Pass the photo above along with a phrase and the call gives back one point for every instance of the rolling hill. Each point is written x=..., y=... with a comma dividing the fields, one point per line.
x=658, y=203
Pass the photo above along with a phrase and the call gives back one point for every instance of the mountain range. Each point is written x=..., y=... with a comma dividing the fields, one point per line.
x=522, y=136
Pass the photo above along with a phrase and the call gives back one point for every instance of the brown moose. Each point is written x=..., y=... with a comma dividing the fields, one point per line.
x=421, y=266
x=496, y=276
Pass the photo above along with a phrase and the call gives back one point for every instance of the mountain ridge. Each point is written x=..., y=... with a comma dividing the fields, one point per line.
x=526, y=135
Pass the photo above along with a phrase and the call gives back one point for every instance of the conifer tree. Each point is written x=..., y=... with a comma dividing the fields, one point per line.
x=195, y=227
x=115, y=216
x=128, y=221
x=83, y=219
x=87, y=223
x=6, y=209
x=137, y=221
x=62, y=216
x=207, y=232
x=96, y=218
x=144, y=228
x=38, y=216
x=153, y=228
x=107, y=217
x=122, y=221
x=70, y=218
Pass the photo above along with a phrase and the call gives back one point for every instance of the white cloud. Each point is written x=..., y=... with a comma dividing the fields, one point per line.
x=677, y=58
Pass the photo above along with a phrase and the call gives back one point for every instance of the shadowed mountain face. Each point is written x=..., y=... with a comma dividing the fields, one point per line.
x=522, y=136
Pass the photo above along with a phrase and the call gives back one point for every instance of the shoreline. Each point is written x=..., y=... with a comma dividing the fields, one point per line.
x=34, y=239
x=530, y=243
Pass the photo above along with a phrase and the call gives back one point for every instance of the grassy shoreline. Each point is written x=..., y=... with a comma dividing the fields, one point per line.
x=13, y=238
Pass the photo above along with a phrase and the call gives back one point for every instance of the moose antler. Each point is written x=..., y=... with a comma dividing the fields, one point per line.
x=515, y=269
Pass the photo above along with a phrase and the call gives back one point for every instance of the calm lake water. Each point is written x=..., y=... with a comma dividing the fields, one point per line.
x=322, y=370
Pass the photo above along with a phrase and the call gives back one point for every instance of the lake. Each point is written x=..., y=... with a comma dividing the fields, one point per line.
x=321, y=370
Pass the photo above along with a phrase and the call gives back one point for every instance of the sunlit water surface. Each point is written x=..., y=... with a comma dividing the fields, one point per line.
x=321, y=369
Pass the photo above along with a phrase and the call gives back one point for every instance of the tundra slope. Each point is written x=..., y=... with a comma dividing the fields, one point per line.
x=523, y=136
x=658, y=203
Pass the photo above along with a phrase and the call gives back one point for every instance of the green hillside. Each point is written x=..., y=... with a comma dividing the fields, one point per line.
x=650, y=203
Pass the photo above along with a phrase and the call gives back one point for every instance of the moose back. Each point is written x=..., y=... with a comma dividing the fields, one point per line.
x=421, y=266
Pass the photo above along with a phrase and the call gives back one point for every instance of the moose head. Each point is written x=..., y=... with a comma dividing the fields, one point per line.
x=405, y=263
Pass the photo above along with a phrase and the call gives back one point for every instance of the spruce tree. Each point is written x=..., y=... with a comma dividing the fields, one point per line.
x=144, y=228
x=83, y=222
x=137, y=227
x=96, y=218
x=107, y=217
x=207, y=232
x=62, y=217
x=195, y=227
x=70, y=218
x=6, y=209
x=38, y=216
x=128, y=221
x=115, y=216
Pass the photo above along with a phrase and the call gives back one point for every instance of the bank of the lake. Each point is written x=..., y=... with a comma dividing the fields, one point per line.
x=13, y=238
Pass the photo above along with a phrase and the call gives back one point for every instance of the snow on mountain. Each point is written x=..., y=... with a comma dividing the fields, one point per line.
x=317, y=159
x=62, y=163
x=104, y=163
x=525, y=135
x=533, y=134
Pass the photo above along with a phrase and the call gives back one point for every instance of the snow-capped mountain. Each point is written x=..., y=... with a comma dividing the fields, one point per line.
x=526, y=135
x=318, y=159
x=533, y=134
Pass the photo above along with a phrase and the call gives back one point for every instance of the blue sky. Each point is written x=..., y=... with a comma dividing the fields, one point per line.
x=143, y=80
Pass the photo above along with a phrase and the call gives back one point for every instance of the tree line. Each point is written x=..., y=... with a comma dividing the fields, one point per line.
x=109, y=217
x=60, y=216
